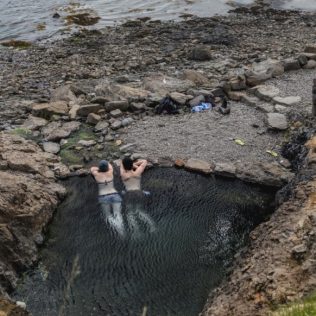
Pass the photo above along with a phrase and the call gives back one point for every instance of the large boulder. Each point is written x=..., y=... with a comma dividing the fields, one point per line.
x=29, y=195
x=195, y=76
x=270, y=65
x=277, y=121
x=34, y=123
x=162, y=85
x=47, y=110
x=56, y=131
x=63, y=93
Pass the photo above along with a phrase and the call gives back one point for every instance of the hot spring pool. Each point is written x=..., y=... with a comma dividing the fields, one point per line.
x=161, y=255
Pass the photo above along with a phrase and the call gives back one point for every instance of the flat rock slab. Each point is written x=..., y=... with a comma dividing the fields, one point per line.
x=102, y=125
x=46, y=110
x=199, y=166
x=277, y=121
x=287, y=101
x=34, y=123
x=51, y=147
x=85, y=110
x=267, y=93
x=87, y=143
x=56, y=131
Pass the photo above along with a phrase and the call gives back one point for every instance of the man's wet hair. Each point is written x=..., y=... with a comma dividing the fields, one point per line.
x=127, y=163
x=103, y=166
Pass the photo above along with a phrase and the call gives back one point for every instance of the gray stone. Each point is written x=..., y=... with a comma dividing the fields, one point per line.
x=87, y=143
x=266, y=93
x=238, y=83
x=102, y=125
x=269, y=65
x=162, y=85
x=277, y=121
x=199, y=166
x=265, y=107
x=116, y=113
x=85, y=110
x=310, y=56
x=288, y=101
x=138, y=106
x=225, y=170
x=255, y=78
x=270, y=174
x=73, y=111
x=311, y=64
x=51, y=147
x=93, y=118
x=198, y=78
x=117, y=105
x=180, y=97
x=47, y=110
x=302, y=59
x=250, y=100
x=299, y=251
x=100, y=100
x=55, y=131
x=281, y=109
x=127, y=121
x=200, y=53
x=126, y=148
x=34, y=123
x=197, y=100
x=116, y=125
x=291, y=64
x=63, y=93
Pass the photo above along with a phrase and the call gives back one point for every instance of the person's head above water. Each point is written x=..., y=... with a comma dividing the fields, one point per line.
x=127, y=163
x=103, y=166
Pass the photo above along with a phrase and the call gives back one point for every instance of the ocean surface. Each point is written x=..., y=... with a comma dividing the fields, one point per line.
x=33, y=19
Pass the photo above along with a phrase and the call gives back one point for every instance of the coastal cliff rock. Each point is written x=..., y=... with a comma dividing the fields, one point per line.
x=28, y=197
x=278, y=266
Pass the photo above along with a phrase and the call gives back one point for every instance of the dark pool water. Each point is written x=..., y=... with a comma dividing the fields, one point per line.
x=160, y=256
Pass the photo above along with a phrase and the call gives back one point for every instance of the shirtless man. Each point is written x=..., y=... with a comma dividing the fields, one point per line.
x=131, y=176
x=109, y=198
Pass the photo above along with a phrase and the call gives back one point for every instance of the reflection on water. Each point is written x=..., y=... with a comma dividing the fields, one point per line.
x=163, y=252
x=31, y=20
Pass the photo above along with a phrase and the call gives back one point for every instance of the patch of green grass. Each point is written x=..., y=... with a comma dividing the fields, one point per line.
x=23, y=132
x=306, y=307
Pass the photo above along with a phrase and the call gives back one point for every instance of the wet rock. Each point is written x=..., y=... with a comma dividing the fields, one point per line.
x=199, y=166
x=291, y=64
x=126, y=148
x=277, y=121
x=51, y=147
x=198, y=78
x=34, y=123
x=93, y=118
x=266, y=93
x=116, y=113
x=287, y=101
x=47, y=110
x=275, y=67
x=200, y=53
x=85, y=110
x=63, y=93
